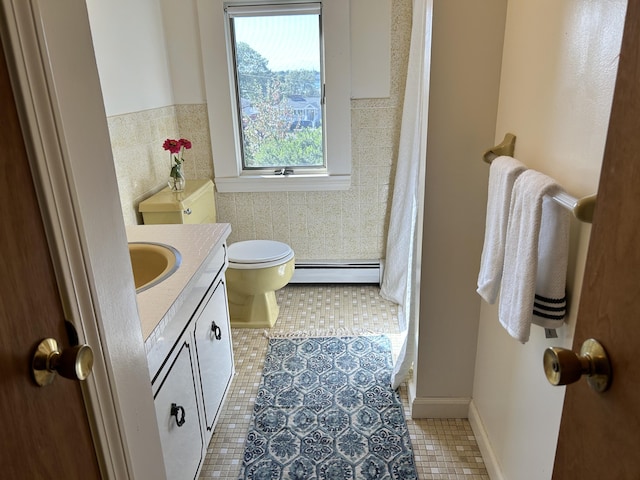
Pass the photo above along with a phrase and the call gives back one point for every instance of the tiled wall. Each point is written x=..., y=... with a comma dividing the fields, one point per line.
x=340, y=225
x=142, y=166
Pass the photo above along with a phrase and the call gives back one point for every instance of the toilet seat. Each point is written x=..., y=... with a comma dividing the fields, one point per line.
x=251, y=254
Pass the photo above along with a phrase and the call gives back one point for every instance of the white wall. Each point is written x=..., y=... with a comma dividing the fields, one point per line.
x=558, y=72
x=129, y=44
x=149, y=53
x=184, y=50
x=465, y=69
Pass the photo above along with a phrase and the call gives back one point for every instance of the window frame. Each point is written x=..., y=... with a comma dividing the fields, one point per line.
x=222, y=105
x=235, y=13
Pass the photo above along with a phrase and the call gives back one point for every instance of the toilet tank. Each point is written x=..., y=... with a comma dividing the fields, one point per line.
x=196, y=204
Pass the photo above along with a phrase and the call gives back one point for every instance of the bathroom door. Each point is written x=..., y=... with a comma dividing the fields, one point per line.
x=600, y=433
x=44, y=430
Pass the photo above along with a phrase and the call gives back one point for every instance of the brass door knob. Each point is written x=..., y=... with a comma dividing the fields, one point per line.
x=562, y=366
x=74, y=362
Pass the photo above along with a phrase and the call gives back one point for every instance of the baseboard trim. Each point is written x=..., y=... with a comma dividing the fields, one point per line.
x=482, y=439
x=440, y=407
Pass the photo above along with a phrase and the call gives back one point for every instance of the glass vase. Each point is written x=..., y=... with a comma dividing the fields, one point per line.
x=176, y=181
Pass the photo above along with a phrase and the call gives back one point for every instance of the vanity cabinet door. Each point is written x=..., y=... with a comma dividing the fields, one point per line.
x=214, y=353
x=178, y=417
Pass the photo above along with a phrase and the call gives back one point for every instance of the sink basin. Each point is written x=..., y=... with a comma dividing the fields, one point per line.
x=152, y=263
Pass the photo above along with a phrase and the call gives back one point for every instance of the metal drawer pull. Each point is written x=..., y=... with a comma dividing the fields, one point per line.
x=178, y=412
x=217, y=332
x=187, y=211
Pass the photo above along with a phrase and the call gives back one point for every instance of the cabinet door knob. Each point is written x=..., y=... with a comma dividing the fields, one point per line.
x=187, y=211
x=178, y=412
x=215, y=329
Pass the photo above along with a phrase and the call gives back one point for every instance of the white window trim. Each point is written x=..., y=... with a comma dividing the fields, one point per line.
x=229, y=176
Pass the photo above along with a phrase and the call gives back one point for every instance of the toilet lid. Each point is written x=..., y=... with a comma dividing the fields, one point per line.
x=258, y=251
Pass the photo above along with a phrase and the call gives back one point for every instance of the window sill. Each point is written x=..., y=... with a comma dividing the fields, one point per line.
x=279, y=183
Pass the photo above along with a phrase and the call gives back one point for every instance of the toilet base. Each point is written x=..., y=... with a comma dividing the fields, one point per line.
x=252, y=297
x=253, y=311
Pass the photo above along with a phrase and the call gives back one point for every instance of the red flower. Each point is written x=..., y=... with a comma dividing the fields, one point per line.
x=172, y=145
x=185, y=143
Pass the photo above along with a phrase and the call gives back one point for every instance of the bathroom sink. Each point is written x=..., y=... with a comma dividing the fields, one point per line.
x=152, y=263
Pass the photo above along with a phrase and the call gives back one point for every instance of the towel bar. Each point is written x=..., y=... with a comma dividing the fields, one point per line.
x=582, y=208
x=506, y=147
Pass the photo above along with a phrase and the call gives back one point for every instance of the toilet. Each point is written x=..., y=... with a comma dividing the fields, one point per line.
x=257, y=268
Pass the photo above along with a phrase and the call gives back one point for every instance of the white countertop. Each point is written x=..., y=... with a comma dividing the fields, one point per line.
x=194, y=242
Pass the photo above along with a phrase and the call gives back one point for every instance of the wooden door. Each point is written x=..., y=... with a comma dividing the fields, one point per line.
x=45, y=432
x=600, y=433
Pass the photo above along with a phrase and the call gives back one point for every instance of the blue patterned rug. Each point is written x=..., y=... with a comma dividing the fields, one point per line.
x=325, y=410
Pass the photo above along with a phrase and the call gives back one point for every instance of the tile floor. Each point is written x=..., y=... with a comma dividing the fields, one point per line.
x=444, y=449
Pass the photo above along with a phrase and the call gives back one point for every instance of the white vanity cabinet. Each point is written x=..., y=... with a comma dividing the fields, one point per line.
x=190, y=358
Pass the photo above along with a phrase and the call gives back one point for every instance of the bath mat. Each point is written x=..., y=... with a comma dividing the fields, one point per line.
x=325, y=410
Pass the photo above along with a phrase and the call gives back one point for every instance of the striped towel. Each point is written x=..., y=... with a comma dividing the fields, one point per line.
x=536, y=256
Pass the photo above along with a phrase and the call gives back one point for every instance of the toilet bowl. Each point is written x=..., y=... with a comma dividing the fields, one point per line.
x=257, y=268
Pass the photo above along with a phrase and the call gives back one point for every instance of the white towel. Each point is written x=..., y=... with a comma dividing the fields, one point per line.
x=550, y=304
x=502, y=174
x=534, y=258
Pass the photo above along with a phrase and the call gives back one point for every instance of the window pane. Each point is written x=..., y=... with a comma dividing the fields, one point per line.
x=278, y=76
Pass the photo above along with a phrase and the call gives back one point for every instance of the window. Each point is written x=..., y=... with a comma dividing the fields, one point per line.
x=277, y=53
x=278, y=92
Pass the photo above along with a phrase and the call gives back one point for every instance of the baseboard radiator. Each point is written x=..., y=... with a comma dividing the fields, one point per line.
x=329, y=271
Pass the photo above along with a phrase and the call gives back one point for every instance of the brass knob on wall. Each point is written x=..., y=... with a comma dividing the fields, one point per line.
x=562, y=366
x=74, y=362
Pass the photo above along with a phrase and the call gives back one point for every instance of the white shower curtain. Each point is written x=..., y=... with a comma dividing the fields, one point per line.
x=402, y=265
